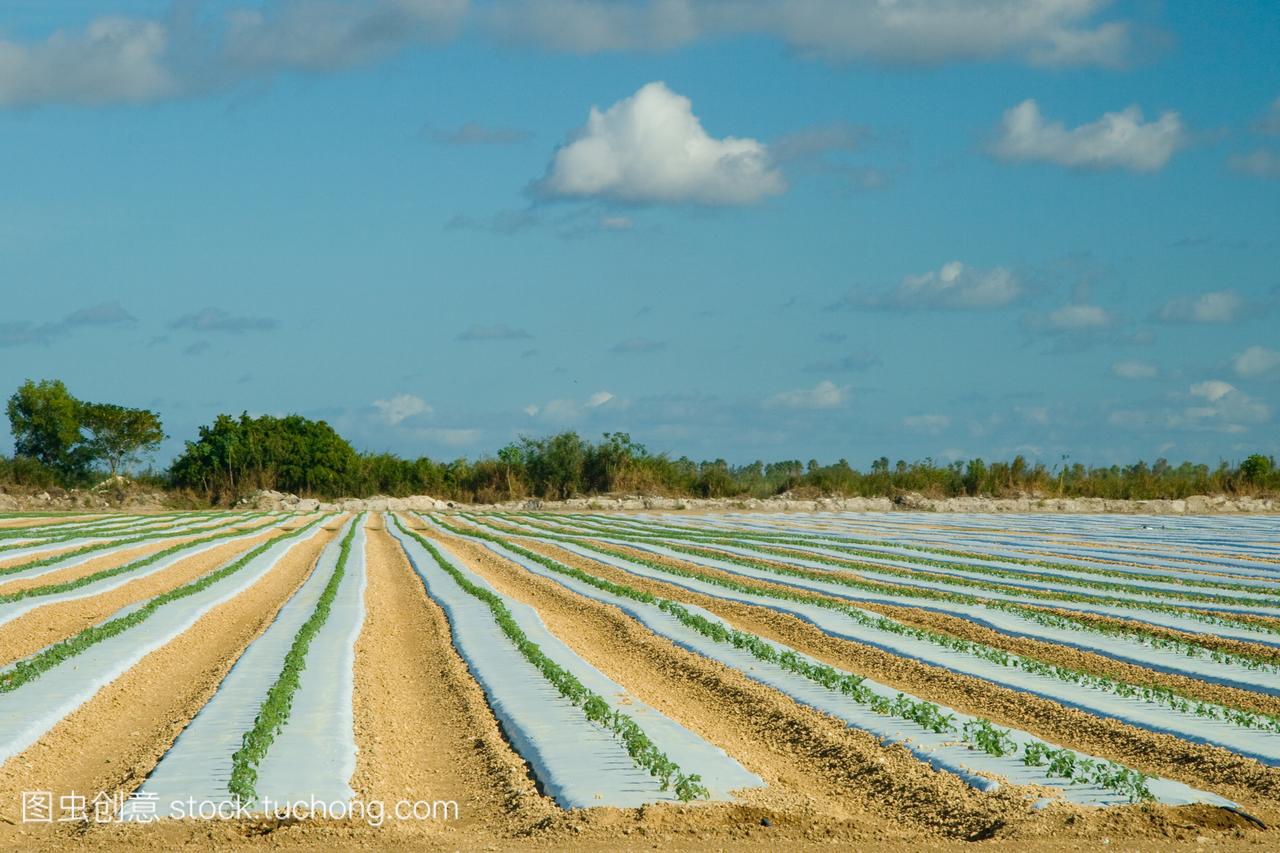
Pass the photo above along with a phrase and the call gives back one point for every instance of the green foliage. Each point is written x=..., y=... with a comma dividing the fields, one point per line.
x=50, y=441
x=274, y=713
x=1065, y=763
x=642, y=750
x=293, y=454
x=117, y=435
x=568, y=465
x=983, y=735
x=45, y=421
x=1257, y=468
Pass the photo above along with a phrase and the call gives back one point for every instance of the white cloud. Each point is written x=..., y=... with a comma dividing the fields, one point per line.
x=1260, y=163
x=953, y=285
x=1215, y=307
x=1212, y=389
x=565, y=410
x=651, y=148
x=1134, y=370
x=1256, y=361
x=1043, y=32
x=1120, y=140
x=114, y=59
x=1070, y=318
x=401, y=407
x=1212, y=405
x=824, y=395
x=931, y=424
x=1226, y=408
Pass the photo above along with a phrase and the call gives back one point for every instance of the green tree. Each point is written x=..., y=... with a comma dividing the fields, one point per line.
x=292, y=453
x=118, y=435
x=1256, y=468
x=45, y=421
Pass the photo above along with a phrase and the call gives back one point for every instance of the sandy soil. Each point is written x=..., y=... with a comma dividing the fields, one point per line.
x=442, y=742
x=1211, y=768
x=1056, y=654
x=112, y=741
x=56, y=621
x=425, y=732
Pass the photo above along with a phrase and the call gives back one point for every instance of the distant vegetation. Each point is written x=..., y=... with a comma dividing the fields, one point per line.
x=293, y=454
x=63, y=441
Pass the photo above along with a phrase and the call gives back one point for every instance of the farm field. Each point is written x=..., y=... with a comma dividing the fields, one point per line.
x=579, y=681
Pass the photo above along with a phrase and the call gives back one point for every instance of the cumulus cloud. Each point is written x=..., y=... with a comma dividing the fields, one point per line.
x=825, y=395
x=1134, y=370
x=1216, y=307
x=496, y=332
x=929, y=424
x=474, y=133
x=1042, y=32
x=401, y=407
x=651, y=148
x=217, y=320
x=1256, y=361
x=1212, y=389
x=1070, y=318
x=1120, y=140
x=1260, y=163
x=101, y=315
x=953, y=286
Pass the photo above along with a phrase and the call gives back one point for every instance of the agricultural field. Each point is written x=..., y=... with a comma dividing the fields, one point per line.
x=561, y=681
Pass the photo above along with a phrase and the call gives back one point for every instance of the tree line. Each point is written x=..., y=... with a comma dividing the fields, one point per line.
x=61, y=440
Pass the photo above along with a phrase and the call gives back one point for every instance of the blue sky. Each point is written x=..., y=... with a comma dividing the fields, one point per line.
x=789, y=229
